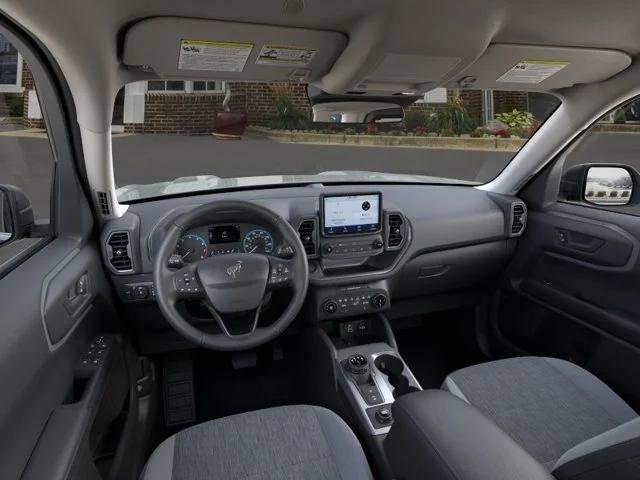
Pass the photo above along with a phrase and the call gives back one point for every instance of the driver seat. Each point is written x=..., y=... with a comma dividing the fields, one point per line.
x=284, y=443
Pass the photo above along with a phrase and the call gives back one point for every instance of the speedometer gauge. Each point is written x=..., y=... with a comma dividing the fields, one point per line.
x=257, y=241
x=192, y=247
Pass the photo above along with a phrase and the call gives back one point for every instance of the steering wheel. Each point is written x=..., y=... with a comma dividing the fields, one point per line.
x=233, y=286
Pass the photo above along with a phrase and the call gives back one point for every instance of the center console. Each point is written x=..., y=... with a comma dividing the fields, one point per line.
x=368, y=372
x=354, y=245
x=372, y=376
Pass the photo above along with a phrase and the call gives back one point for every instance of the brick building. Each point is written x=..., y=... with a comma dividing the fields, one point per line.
x=18, y=97
x=189, y=107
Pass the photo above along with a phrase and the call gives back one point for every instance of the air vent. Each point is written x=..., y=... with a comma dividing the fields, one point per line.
x=395, y=235
x=518, y=219
x=306, y=230
x=103, y=203
x=120, y=257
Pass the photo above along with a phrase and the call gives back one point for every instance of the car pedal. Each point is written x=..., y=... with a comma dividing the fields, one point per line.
x=178, y=389
x=277, y=353
x=240, y=360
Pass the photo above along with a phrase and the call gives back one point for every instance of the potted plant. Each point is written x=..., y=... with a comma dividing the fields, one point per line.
x=228, y=124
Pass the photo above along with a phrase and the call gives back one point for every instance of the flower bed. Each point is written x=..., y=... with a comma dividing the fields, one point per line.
x=387, y=139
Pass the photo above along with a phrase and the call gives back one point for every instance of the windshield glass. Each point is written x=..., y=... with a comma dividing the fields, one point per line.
x=172, y=137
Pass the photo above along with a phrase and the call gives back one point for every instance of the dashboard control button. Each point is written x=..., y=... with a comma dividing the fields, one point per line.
x=285, y=251
x=378, y=244
x=384, y=415
x=175, y=261
x=328, y=249
x=378, y=301
x=141, y=292
x=330, y=307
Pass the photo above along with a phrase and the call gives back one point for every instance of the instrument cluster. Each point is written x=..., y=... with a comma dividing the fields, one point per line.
x=202, y=242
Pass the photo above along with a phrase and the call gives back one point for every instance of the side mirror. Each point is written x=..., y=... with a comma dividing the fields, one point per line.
x=605, y=185
x=16, y=214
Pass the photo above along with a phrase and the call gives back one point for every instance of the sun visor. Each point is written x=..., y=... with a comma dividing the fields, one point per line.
x=189, y=48
x=526, y=67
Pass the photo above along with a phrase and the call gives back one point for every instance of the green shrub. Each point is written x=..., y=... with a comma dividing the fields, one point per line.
x=415, y=119
x=619, y=116
x=517, y=120
x=288, y=116
x=452, y=119
x=15, y=105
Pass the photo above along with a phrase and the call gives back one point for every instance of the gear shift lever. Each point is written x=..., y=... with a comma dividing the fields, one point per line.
x=358, y=366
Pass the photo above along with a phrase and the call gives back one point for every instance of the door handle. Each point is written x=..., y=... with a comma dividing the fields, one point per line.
x=78, y=295
x=578, y=241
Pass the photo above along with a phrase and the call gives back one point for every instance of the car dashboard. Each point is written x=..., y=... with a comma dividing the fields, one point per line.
x=424, y=246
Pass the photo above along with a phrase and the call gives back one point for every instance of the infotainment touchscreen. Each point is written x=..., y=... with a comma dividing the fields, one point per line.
x=349, y=214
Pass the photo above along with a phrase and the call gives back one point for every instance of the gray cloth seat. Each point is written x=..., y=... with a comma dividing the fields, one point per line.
x=284, y=443
x=562, y=415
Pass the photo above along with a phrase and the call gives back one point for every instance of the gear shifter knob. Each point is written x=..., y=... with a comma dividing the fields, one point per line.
x=358, y=366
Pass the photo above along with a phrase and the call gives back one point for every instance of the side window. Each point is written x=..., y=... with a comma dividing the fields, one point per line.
x=26, y=159
x=603, y=169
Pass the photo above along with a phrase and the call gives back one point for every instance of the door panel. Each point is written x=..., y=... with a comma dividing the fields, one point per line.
x=38, y=375
x=62, y=389
x=573, y=292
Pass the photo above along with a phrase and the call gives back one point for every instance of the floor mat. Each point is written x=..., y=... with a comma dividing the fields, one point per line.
x=442, y=343
x=222, y=390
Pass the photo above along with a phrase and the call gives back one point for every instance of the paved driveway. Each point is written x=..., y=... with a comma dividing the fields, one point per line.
x=153, y=158
x=26, y=162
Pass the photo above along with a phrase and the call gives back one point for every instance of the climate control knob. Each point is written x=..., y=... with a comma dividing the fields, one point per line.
x=330, y=307
x=379, y=300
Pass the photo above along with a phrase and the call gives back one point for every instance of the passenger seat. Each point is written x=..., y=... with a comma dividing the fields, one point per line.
x=562, y=415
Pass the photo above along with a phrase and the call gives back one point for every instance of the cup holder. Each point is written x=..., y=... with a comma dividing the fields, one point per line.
x=393, y=367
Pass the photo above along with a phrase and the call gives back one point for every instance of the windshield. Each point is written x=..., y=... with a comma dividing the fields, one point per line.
x=173, y=137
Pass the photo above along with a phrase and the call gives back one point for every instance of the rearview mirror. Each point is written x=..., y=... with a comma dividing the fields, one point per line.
x=16, y=214
x=357, y=112
x=354, y=108
x=608, y=186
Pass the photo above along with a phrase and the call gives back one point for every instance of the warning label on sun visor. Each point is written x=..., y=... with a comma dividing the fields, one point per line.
x=285, y=56
x=532, y=71
x=215, y=56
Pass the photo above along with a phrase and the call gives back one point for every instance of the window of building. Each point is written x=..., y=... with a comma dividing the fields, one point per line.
x=166, y=86
x=185, y=86
x=208, y=86
x=10, y=67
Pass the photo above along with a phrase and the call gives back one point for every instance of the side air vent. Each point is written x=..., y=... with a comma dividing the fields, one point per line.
x=518, y=219
x=119, y=251
x=103, y=203
x=395, y=231
x=307, y=232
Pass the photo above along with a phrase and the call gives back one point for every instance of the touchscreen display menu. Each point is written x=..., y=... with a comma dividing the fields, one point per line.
x=351, y=214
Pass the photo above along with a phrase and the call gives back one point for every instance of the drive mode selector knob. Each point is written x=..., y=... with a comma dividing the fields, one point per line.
x=357, y=364
x=379, y=300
